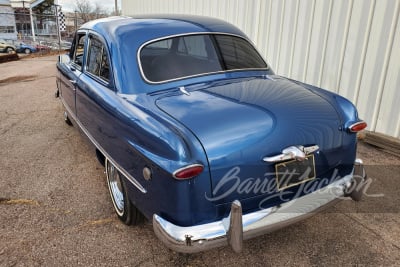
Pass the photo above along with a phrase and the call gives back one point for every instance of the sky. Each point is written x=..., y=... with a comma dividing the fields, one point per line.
x=69, y=5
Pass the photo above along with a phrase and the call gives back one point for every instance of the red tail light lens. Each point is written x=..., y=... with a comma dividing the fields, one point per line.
x=188, y=171
x=358, y=126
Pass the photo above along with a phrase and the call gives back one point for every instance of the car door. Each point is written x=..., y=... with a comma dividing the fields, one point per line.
x=95, y=95
x=70, y=72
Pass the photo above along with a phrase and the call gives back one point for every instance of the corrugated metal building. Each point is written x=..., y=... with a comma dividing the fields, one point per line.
x=351, y=47
x=7, y=21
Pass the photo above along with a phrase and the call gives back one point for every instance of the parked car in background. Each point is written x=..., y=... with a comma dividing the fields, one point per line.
x=6, y=47
x=199, y=135
x=26, y=48
x=41, y=46
x=65, y=45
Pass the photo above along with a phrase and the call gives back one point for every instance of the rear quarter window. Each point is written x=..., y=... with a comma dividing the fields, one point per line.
x=97, y=61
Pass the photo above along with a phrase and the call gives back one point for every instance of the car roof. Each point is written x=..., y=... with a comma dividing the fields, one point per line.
x=125, y=35
x=148, y=27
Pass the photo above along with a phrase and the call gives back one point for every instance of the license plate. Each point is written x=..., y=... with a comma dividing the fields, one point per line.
x=294, y=172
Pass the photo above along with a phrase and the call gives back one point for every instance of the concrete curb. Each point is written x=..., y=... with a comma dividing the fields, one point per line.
x=387, y=143
x=8, y=57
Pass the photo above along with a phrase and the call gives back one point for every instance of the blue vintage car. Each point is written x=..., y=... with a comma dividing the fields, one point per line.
x=199, y=135
x=26, y=48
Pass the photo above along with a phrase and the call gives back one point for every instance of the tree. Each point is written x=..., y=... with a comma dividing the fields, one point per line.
x=42, y=12
x=98, y=12
x=45, y=8
x=87, y=12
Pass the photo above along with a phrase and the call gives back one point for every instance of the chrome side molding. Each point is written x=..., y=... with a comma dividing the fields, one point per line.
x=293, y=152
x=102, y=150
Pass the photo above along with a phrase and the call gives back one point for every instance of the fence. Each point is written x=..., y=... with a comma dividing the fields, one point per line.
x=17, y=27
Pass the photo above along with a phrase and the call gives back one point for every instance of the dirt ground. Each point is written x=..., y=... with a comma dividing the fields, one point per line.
x=55, y=208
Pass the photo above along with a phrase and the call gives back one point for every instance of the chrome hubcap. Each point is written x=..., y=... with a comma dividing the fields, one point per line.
x=115, y=186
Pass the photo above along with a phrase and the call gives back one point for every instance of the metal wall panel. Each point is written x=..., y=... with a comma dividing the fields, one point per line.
x=356, y=46
x=387, y=120
x=351, y=47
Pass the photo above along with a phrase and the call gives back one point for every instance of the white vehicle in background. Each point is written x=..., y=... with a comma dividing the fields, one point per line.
x=7, y=47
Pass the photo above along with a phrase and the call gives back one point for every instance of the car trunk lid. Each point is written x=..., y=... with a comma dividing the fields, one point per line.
x=240, y=122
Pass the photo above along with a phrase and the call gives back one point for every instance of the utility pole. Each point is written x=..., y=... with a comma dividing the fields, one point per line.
x=58, y=26
x=116, y=8
x=23, y=19
x=76, y=21
x=32, y=25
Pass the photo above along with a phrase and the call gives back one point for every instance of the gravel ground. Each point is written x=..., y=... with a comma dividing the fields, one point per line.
x=55, y=208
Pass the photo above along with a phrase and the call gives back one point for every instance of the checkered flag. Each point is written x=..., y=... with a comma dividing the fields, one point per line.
x=61, y=20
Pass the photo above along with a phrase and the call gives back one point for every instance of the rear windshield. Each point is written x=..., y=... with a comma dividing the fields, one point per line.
x=191, y=55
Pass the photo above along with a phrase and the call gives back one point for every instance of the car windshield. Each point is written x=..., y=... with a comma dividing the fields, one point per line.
x=191, y=55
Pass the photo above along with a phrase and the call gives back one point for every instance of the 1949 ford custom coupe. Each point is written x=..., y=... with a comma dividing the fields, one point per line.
x=199, y=135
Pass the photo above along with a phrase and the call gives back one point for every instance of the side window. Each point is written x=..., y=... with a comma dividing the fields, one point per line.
x=97, y=61
x=79, y=50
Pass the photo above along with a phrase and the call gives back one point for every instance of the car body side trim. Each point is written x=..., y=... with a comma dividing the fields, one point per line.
x=97, y=145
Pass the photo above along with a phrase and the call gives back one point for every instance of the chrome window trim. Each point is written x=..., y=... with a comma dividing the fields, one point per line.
x=97, y=145
x=73, y=64
x=201, y=74
x=98, y=79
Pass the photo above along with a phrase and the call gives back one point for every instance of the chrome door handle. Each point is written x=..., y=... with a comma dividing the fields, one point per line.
x=73, y=82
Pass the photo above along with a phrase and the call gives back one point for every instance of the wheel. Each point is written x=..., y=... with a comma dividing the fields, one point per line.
x=66, y=119
x=27, y=51
x=125, y=210
x=10, y=50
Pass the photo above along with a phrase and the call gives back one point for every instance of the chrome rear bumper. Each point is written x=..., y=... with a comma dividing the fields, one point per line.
x=238, y=227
